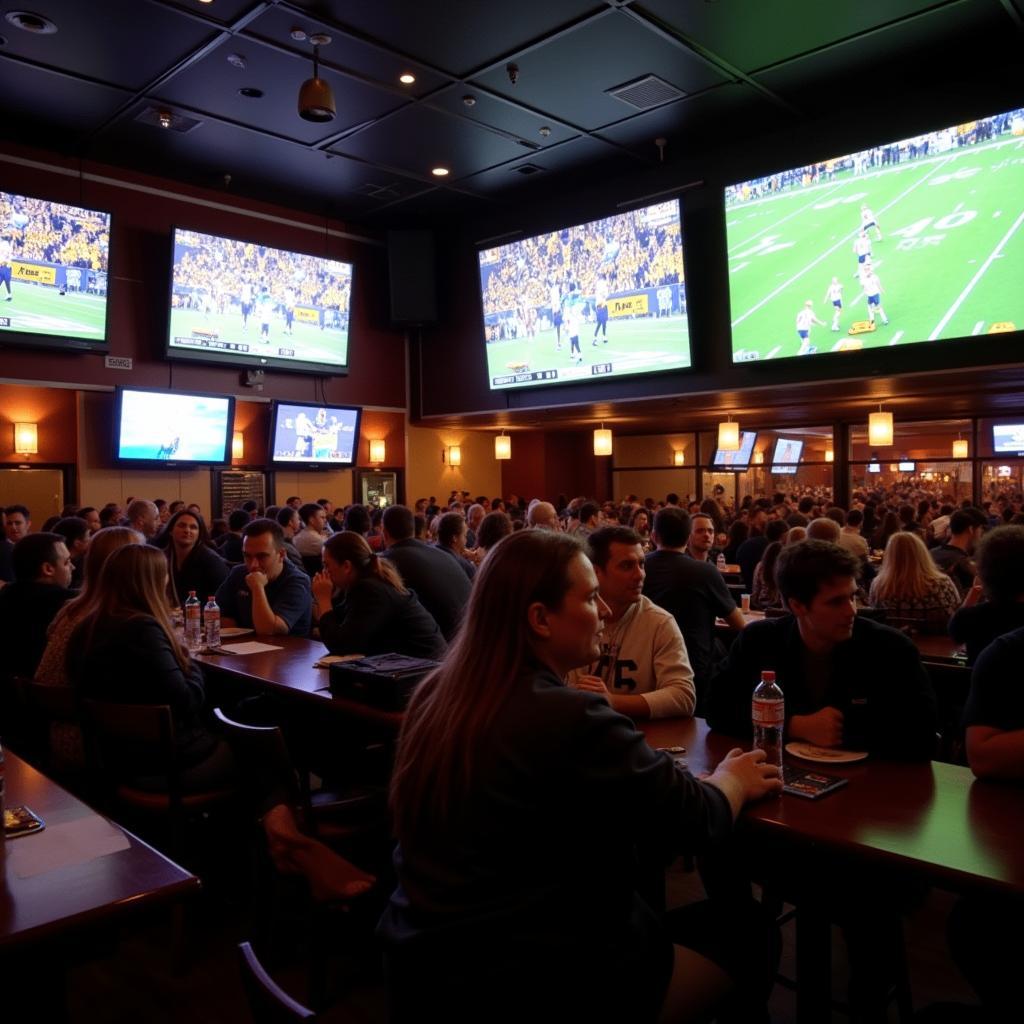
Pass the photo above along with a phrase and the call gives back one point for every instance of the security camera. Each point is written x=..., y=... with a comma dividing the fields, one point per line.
x=513, y=72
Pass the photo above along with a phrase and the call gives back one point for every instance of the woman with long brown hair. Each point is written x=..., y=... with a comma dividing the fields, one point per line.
x=191, y=562
x=365, y=608
x=518, y=803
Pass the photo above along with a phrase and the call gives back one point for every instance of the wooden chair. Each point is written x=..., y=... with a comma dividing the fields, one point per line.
x=113, y=734
x=56, y=714
x=268, y=1002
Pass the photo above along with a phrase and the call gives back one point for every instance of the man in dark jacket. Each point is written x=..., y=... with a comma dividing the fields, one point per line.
x=439, y=583
x=847, y=681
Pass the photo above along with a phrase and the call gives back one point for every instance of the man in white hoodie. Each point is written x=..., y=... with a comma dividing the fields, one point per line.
x=644, y=670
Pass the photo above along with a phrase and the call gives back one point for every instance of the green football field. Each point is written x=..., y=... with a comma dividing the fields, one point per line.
x=306, y=341
x=950, y=262
x=40, y=309
x=633, y=346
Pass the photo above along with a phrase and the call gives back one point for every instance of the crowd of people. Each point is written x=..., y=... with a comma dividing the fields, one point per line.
x=48, y=232
x=585, y=616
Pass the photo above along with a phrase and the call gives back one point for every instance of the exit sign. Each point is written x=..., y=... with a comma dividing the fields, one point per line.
x=117, y=362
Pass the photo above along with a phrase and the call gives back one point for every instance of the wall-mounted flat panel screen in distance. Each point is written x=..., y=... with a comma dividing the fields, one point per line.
x=172, y=428
x=1008, y=439
x=314, y=435
x=739, y=459
x=911, y=241
x=598, y=300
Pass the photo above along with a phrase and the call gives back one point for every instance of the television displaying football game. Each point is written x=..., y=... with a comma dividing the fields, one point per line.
x=598, y=300
x=739, y=459
x=917, y=240
x=315, y=435
x=250, y=305
x=1008, y=438
x=172, y=428
x=53, y=274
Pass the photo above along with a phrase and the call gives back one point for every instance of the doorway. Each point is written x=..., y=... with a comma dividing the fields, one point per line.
x=41, y=491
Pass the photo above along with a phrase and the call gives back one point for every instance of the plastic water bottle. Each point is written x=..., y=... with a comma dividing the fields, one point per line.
x=768, y=714
x=211, y=618
x=193, y=622
x=720, y=562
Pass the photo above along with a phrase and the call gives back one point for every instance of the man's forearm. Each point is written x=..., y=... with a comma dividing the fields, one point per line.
x=263, y=618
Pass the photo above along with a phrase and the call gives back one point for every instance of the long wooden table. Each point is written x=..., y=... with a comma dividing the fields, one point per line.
x=85, y=892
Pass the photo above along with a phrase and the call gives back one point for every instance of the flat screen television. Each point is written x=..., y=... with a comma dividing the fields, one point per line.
x=250, y=305
x=616, y=285
x=1008, y=439
x=54, y=261
x=314, y=436
x=906, y=467
x=911, y=241
x=171, y=428
x=874, y=467
x=739, y=459
x=787, y=454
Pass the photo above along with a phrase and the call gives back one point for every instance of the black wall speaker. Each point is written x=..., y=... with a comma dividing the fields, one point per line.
x=411, y=272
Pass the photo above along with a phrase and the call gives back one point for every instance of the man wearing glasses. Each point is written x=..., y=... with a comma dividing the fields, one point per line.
x=266, y=592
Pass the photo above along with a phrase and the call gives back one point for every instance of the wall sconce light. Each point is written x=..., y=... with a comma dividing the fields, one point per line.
x=602, y=441
x=237, y=445
x=452, y=455
x=960, y=449
x=26, y=438
x=378, y=451
x=894, y=467
x=503, y=447
x=728, y=436
x=678, y=457
x=880, y=429
x=758, y=458
x=830, y=455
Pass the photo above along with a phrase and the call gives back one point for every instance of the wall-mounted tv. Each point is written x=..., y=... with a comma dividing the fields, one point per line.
x=597, y=300
x=172, y=428
x=910, y=241
x=314, y=436
x=739, y=459
x=250, y=305
x=1008, y=439
x=787, y=454
x=53, y=274
x=874, y=467
x=906, y=467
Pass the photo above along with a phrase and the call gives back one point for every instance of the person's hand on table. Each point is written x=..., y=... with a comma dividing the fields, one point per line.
x=592, y=684
x=744, y=777
x=824, y=728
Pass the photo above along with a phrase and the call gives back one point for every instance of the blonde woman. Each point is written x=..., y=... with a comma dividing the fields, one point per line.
x=909, y=586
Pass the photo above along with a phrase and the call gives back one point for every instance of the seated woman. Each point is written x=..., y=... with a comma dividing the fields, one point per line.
x=641, y=522
x=518, y=803
x=364, y=608
x=192, y=563
x=911, y=587
x=765, y=592
x=493, y=527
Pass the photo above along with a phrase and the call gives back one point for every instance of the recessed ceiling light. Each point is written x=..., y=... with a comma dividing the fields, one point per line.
x=236, y=60
x=439, y=172
x=165, y=118
x=407, y=78
x=37, y=24
x=251, y=93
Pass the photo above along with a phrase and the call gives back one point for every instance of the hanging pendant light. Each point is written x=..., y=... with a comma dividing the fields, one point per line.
x=880, y=429
x=728, y=436
x=960, y=449
x=602, y=441
x=316, y=101
x=503, y=446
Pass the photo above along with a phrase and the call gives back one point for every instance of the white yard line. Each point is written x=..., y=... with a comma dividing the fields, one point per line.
x=843, y=241
x=803, y=209
x=977, y=327
x=896, y=337
x=771, y=354
x=974, y=280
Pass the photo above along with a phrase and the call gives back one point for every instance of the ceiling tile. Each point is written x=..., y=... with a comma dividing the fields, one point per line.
x=212, y=85
x=109, y=41
x=569, y=76
x=456, y=36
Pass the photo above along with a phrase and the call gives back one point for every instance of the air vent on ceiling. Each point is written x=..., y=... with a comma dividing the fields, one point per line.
x=647, y=92
x=379, y=191
x=157, y=117
x=528, y=169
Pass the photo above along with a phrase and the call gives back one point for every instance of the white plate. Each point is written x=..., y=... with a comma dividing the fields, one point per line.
x=227, y=632
x=825, y=755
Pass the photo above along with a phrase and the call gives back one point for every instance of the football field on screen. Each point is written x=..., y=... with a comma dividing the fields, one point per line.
x=655, y=343
x=39, y=309
x=950, y=262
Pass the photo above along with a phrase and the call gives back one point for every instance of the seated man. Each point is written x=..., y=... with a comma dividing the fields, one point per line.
x=230, y=545
x=644, y=670
x=847, y=681
x=541, y=515
x=954, y=557
x=693, y=591
x=266, y=593
x=700, y=545
x=442, y=587
x=144, y=517
x=42, y=576
x=309, y=541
